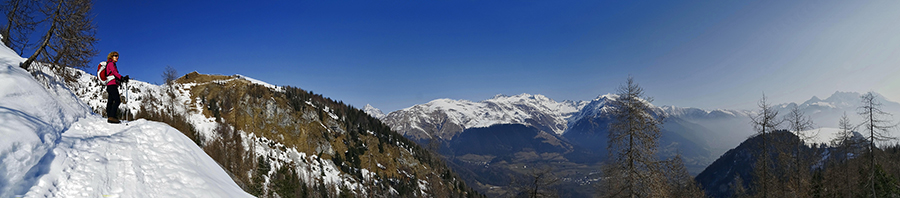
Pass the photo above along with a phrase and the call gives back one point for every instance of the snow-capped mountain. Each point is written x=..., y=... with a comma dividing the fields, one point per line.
x=512, y=129
x=697, y=113
x=445, y=118
x=374, y=112
x=827, y=113
x=699, y=135
x=589, y=129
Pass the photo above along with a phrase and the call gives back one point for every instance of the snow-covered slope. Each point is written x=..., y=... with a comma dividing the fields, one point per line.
x=141, y=159
x=52, y=146
x=31, y=121
x=449, y=117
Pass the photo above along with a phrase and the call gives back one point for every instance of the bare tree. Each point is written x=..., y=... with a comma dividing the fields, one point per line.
x=539, y=182
x=878, y=128
x=844, y=144
x=764, y=122
x=20, y=23
x=169, y=75
x=844, y=140
x=737, y=188
x=633, y=140
x=71, y=37
x=799, y=123
x=680, y=182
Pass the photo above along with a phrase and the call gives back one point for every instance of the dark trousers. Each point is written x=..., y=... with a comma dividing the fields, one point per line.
x=112, y=102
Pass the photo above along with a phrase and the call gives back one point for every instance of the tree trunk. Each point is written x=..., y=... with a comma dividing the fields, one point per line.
x=46, y=41
x=11, y=17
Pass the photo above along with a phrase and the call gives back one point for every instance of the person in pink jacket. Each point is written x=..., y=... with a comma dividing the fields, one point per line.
x=112, y=88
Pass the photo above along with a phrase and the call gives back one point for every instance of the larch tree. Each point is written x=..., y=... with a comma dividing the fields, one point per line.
x=844, y=140
x=634, y=134
x=877, y=126
x=680, y=182
x=70, y=39
x=844, y=143
x=799, y=123
x=764, y=123
x=19, y=24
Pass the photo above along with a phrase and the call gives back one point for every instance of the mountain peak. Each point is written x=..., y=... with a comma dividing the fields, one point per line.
x=607, y=96
x=374, y=112
x=520, y=97
x=500, y=96
x=839, y=96
x=814, y=99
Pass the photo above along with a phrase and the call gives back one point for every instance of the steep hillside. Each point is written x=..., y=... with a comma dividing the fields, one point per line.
x=285, y=140
x=721, y=177
x=52, y=146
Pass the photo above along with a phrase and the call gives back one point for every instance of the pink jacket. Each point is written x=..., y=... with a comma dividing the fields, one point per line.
x=112, y=70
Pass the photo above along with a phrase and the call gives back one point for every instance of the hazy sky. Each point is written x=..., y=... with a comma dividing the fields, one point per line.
x=394, y=54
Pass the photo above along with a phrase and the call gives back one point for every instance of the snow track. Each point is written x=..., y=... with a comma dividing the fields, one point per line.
x=144, y=159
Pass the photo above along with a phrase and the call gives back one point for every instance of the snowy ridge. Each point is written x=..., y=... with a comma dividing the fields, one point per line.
x=259, y=82
x=690, y=112
x=519, y=109
x=526, y=109
x=598, y=107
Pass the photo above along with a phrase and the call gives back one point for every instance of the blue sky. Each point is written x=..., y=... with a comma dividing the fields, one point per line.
x=394, y=54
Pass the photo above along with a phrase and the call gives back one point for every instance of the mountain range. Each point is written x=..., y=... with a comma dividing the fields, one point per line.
x=506, y=132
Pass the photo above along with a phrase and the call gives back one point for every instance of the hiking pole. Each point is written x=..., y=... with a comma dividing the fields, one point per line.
x=127, y=110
